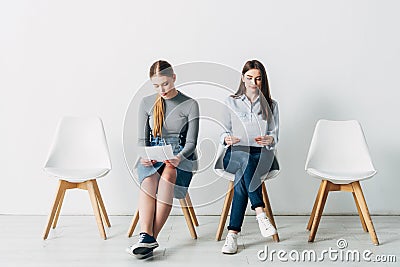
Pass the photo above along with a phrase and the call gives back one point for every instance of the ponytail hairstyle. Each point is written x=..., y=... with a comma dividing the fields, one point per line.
x=265, y=98
x=161, y=68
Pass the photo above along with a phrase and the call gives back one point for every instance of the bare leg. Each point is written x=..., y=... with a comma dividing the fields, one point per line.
x=164, y=198
x=147, y=203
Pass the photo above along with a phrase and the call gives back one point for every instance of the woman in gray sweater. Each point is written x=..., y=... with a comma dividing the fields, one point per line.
x=165, y=118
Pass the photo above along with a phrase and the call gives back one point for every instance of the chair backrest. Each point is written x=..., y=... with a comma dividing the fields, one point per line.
x=79, y=143
x=219, y=156
x=339, y=146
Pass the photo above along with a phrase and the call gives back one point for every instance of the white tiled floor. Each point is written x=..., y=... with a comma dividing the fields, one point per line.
x=76, y=242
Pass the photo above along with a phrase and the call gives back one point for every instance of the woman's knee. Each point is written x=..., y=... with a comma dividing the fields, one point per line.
x=150, y=181
x=169, y=174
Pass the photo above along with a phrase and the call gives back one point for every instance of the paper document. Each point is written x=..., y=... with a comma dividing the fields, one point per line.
x=158, y=153
x=248, y=131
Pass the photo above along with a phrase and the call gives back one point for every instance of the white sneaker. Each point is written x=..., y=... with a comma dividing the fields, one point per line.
x=266, y=228
x=230, y=246
x=144, y=247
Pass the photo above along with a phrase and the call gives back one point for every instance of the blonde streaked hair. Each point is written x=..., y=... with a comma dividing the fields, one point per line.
x=161, y=68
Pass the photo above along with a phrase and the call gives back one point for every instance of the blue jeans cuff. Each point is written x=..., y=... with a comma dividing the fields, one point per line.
x=233, y=228
x=253, y=207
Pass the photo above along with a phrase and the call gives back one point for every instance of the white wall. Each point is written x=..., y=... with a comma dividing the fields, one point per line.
x=326, y=59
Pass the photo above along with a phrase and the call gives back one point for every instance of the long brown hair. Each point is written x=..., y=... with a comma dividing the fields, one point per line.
x=265, y=98
x=162, y=68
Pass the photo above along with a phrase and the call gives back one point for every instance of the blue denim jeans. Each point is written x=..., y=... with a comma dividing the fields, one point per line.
x=244, y=164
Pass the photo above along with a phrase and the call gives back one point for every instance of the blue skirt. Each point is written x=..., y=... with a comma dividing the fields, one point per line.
x=184, y=171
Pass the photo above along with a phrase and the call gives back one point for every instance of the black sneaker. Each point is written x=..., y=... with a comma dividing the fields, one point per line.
x=144, y=247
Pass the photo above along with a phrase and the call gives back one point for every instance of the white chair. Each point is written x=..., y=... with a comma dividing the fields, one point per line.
x=339, y=156
x=219, y=170
x=79, y=155
x=186, y=205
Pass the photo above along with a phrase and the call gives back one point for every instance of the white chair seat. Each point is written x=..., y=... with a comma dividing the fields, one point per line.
x=76, y=175
x=79, y=152
x=338, y=177
x=339, y=153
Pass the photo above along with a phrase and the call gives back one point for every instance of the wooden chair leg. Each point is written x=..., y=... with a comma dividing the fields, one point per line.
x=191, y=210
x=59, y=209
x=268, y=210
x=318, y=210
x=133, y=223
x=310, y=221
x=188, y=219
x=101, y=203
x=93, y=199
x=61, y=188
x=364, y=209
x=364, y=226
x=225, y=211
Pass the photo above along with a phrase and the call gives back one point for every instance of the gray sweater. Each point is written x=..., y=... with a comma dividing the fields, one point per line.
x=181, y=117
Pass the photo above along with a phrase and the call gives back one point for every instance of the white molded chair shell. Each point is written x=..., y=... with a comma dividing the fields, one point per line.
x=219, y=167
x=339, y=152
x=79, y=151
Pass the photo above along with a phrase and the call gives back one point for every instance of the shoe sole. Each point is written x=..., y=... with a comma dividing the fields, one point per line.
x=229, y=253
x=143, y=250
x=145, y=256
x=269, y=234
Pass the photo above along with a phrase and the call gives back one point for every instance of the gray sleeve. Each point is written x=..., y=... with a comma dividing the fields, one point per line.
x=143, y=125
x=192, y=130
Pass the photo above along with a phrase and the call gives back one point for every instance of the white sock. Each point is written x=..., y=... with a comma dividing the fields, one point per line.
x=261, y=215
